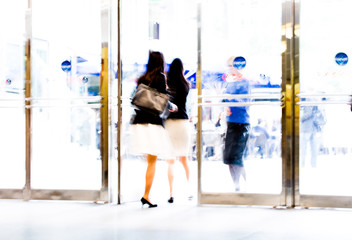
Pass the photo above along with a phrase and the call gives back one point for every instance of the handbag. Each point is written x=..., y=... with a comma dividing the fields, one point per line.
x=150, y=100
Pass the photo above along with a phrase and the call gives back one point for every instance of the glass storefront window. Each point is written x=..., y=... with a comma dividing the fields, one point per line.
x=66, y=65
x=325, y=88
x=12, y=71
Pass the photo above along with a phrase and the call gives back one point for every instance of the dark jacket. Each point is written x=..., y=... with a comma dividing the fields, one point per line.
x=141, y=117
x=179, y=97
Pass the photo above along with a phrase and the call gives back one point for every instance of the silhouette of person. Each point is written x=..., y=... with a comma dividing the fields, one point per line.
x=238, y=127
x=312, y=122
x=148, y=136
x=177, y=124
x=261, y=138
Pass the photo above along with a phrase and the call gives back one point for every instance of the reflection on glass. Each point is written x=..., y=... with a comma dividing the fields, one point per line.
x=325, y=150
x=253, y=37
x=12, y=120
x=12, y=142
x=66, y=148
x=261, y=157
x=66, y=64
x=312, y=122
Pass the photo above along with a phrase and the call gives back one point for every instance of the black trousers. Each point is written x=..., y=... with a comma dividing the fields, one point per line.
x=235, y=143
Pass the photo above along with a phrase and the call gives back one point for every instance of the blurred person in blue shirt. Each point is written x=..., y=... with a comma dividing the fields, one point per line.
x=312, y=122
x=237, y=118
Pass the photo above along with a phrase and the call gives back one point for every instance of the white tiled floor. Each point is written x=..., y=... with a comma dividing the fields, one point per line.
x=46, y=220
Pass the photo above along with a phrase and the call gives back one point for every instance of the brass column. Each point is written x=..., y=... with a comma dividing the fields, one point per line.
x=199, y=88
x=119, y=101
x=104, y=122
x=289, y=110
x=27, y=187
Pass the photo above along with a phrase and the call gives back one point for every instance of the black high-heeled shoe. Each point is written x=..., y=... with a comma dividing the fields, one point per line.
x=145, y=201
x=171, y=200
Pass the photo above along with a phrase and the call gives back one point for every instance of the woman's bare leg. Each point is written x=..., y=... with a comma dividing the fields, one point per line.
x=170, y=173
x=183, y=160
x=149, y=176
x=236, y=172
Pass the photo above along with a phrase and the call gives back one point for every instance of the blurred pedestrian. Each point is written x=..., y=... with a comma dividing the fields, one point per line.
x=238, y=127
x=177, y=124
x=312, y=122
x=148, y=136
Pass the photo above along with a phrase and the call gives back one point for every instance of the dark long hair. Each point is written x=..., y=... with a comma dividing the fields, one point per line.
x=175, y=77
x=155, y=66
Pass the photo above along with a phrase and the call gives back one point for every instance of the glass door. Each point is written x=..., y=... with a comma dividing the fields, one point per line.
x=240, y=110
x=324, y=104
x=65, y=100
x=12, y=121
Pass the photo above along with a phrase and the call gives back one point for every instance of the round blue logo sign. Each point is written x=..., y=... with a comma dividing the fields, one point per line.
x=239, y=63
x=341, y=59
x=66, y=66
x=85, y=79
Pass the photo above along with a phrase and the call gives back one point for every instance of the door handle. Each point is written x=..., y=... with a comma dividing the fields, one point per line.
x=283, y=99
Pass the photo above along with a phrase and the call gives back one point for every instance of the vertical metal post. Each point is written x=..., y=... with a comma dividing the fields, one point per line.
x=104, y=121
x=290, y=91
x=285, y=93
x=199, y=88
x=289, y=111
x=119, y=103
x=27, y=88
x=295, y=107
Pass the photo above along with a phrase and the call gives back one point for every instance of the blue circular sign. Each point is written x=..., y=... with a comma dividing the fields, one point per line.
x=66, y=66
x=341, y=59
x=85, y=79
x=239, y=63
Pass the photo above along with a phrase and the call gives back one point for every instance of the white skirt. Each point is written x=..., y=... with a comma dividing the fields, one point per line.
x=180, y=138
x=149, y=139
